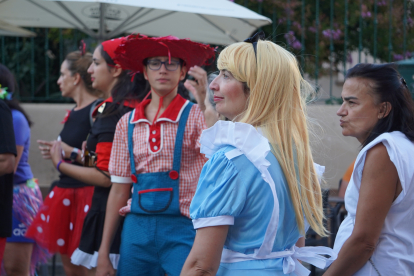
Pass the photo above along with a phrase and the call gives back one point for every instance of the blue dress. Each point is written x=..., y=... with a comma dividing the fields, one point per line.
x=243, y=185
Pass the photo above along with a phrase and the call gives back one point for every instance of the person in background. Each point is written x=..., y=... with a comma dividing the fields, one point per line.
x=122, y=92
x=21, y=254
x=58, y=225
x=8, y=155
x=377, y=237
x=202, y=94
x=345, y=180
x=260, y=185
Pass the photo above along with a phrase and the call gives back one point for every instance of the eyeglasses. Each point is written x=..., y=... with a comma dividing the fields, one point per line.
x=155, y=64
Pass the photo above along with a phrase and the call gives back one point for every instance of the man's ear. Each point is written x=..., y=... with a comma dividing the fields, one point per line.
x=145, y=72
x=116, y=71
x=183, y=72
x=385, y=109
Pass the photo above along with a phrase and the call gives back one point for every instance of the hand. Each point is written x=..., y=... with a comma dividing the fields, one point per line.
x=104, y=266
x=56, y=152
x=66, y=150
x=44, y=147
x=198, y=87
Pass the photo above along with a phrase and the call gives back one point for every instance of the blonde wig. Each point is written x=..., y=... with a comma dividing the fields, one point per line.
x=277, y=105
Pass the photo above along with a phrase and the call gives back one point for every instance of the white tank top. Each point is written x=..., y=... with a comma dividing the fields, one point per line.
x=394, y=253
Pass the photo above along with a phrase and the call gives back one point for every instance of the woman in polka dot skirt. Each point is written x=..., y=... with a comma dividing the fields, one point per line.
x=58, y=224
x=122, y=92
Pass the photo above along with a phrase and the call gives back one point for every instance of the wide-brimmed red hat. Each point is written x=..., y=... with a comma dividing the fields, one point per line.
x=131, y=53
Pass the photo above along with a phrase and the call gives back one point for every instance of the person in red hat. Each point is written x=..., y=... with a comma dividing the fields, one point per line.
x=156, y=149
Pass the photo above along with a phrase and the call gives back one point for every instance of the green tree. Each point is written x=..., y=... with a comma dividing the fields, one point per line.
x=288, y=28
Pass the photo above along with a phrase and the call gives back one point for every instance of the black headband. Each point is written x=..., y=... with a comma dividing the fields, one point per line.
x=253, y=40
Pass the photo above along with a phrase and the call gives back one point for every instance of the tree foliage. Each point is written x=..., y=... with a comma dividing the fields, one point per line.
x=38, y=59
x=288, y=27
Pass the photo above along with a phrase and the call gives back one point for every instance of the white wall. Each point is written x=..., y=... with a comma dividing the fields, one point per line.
x=330, y=149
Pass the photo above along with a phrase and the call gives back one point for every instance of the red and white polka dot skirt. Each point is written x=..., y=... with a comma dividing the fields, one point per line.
x=58, y=224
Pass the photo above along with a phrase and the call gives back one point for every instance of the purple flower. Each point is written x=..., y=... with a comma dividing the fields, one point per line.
x=297, y=25
x=292, y=41
x=410, y=21
x=408, y=54
x=398, y=57
x=312, y=29
x=335, y=34
x=349, y=58
x=297, y=45
x=382, y=3
x=366, y=14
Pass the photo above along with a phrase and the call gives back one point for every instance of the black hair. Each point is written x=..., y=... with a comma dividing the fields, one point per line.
x=387, y=86
x=7, y=80
x=124, y=89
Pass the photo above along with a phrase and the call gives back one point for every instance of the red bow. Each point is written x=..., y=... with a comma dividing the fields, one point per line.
x=66, y=116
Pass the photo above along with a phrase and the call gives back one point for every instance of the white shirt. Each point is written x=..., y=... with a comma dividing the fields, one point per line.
x=394, y=253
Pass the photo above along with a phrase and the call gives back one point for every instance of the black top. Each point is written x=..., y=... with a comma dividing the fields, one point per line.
x=103, y=129
x=7, y=145
x=74, y=132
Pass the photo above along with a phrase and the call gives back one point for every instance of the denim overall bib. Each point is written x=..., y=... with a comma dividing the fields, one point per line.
x=156, y=238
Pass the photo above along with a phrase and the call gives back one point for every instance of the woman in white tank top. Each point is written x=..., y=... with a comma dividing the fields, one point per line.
x=377, y=237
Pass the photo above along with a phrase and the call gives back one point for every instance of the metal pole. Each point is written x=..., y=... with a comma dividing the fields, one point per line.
x=3, y=51
x=75, y=37
x=331, y=49
x=17, y=59
x=390, y=32
x=246, y=3
x=405, y=30
x=47, y=63
x=360, y=32
x=260, y=7
x=302, y=39
x=346, y=34
x=32, y=70
x=288, y=16
x=60, y=46
x=375, y=30
x=260, y=10
x=274, y=25
x=317, y=45
x=102, y=16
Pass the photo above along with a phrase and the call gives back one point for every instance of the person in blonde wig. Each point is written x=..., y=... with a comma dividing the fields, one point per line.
x=260, y=185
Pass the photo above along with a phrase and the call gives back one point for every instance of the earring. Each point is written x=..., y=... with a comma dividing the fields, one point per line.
x=74, y=83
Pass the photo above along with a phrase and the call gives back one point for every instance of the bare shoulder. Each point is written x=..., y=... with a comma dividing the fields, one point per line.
x=378, y=164
x=378, y=151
